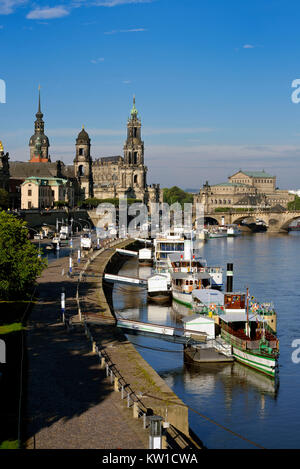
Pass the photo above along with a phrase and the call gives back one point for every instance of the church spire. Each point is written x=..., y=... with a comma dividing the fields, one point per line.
x=134, y=111
x=39, y=138
x=39, y=114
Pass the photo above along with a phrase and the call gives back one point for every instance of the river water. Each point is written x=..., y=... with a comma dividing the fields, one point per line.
x=231, y=394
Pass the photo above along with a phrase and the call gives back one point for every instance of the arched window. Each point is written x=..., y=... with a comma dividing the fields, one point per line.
x=80, y=170
x=81, y=151
x=135, y=157
x=135, y=179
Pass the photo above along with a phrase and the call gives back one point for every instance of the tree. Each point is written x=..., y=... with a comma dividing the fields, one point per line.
x=19, y=261
x=295, y=204
x=175, y=194
x=4, y=199
x=61, y=203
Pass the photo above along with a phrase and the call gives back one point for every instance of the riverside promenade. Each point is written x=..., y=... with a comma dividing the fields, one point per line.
x=72, y=403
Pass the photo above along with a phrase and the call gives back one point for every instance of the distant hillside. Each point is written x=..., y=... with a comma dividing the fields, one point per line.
x=191, y=191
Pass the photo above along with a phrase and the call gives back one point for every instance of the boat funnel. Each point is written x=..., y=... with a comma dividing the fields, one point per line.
x=229, y=278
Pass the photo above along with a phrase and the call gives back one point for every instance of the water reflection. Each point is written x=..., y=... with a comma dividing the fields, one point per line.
x=230, y=393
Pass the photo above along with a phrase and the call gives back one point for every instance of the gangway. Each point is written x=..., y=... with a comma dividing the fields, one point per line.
x=125, y=280
x=173, y=334
x=126, y=252
x=144, y=240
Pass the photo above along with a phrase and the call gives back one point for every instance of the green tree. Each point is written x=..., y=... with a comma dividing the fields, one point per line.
x=295, y=204
x=19, y=261
x=4, y=199
x=175, y=194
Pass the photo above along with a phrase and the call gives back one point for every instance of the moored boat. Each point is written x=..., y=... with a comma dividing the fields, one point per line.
x=233, y=230
x=159, y=289
x=243, y=324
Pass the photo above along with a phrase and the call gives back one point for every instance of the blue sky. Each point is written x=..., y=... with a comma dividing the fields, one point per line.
x=212, y=80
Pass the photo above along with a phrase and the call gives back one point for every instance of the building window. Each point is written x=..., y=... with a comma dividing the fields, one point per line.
x=29, y=204
x=81, y=151
x=29, y=192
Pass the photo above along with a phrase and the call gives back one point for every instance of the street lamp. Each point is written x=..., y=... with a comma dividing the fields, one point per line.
x=39, y=254
x=86, y=221
x=75, y=221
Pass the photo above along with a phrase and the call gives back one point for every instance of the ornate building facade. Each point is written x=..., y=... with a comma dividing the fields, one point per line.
x=116, y=176
x=244, y=189
x=103, y=178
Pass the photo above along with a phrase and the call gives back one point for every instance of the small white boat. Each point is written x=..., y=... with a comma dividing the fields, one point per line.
x=233, y=230
x=218, y=232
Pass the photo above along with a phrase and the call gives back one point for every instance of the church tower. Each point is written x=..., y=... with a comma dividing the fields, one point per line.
x=83, y=164
x=134, y=171
x=134, y=146
x=39, y=142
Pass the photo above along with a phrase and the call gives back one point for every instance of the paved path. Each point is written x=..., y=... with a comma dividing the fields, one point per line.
x=71, y=403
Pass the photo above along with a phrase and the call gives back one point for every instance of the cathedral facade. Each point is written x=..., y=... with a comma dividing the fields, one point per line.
x=116, y=176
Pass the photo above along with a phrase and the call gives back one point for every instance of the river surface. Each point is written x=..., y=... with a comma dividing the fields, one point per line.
x=231, y=394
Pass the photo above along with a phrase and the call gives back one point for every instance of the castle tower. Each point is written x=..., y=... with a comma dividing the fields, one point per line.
x=4, y=169
x=134, y=146
x=83, y=164
x=39, y=142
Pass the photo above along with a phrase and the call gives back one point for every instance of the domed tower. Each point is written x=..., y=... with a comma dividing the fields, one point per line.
x=134, y=146
x=39, y=153
x=83, y=163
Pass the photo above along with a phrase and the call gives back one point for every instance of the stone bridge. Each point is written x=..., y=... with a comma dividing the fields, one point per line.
x=276, y=222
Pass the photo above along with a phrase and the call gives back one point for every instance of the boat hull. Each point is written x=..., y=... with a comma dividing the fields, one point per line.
x=159, y=297
x=182, y=298
x=257, y=361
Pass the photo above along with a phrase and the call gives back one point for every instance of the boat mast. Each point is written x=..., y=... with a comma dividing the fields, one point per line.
x=247, y=326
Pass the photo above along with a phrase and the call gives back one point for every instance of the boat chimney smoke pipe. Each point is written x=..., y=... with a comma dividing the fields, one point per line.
x=229, y=278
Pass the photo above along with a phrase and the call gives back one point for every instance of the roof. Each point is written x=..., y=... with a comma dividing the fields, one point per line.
x=176, y=257
x=209, y=296
x=239, y=317
x=255, y=174
x=189, y=275
x=192, y=317
x=109, y=159
x=23, y=170
x=83, y=136
x=52, y=181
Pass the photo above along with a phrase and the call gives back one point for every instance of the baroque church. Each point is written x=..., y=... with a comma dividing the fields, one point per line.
x=102, y=178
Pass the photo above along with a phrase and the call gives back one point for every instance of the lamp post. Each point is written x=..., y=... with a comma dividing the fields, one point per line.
x=86, y=221
x=75, y=221
x=39, y=254
x=155, y=435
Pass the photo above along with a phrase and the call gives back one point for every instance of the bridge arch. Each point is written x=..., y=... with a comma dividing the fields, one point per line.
x=286, y=224
x=211, y=220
